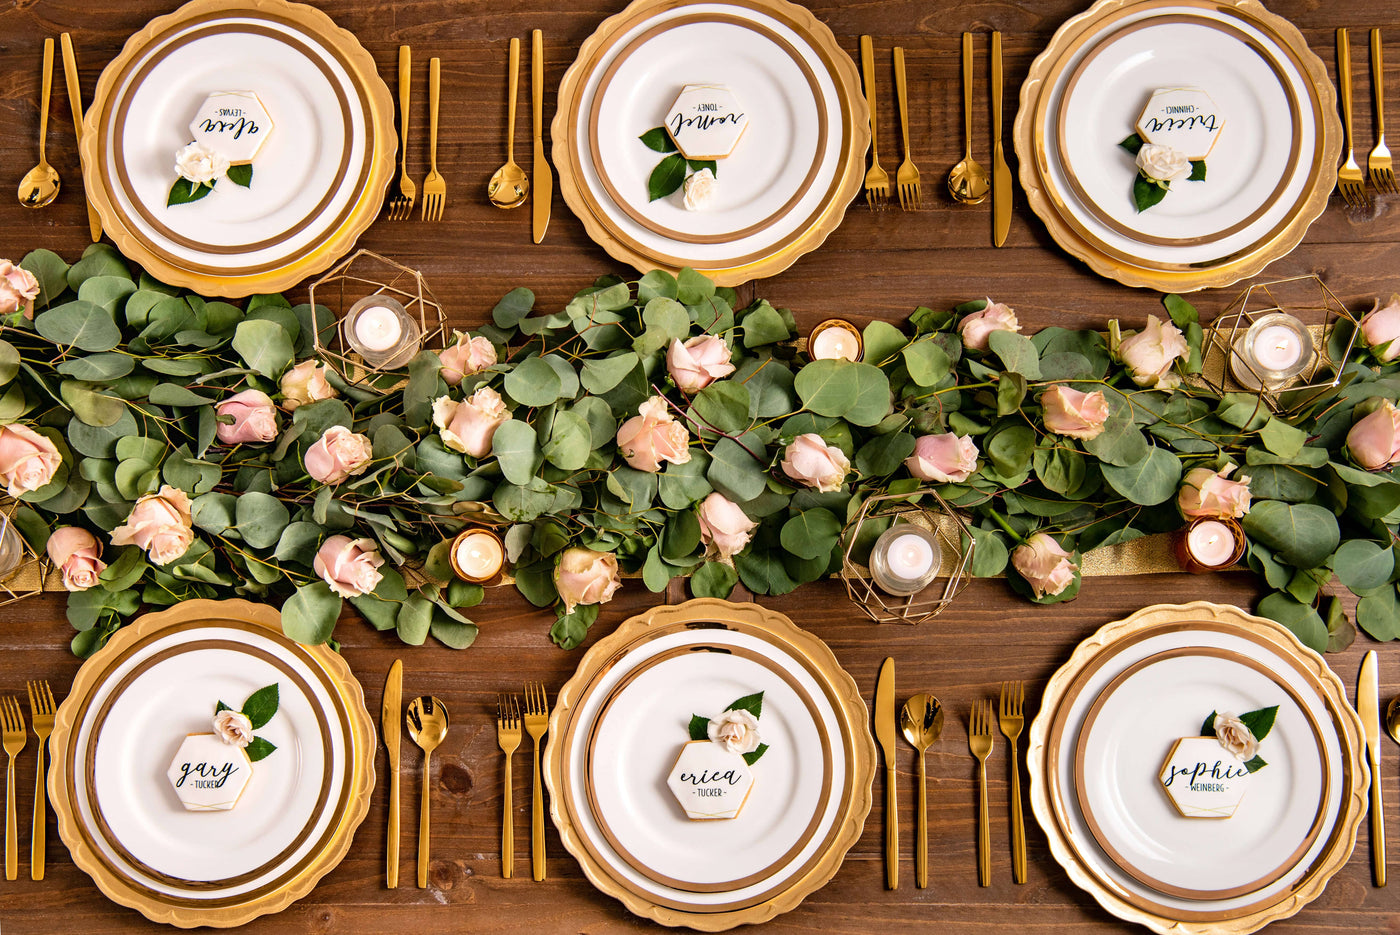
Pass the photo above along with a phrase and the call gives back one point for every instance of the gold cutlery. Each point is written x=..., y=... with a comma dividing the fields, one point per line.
x=921, y=720
x=427, y=725
x=434, y=186
x=1392, y=719
x=509, y=187
x=544, y=177
x=12, y=737
x=508, y=736
x=1368, y=706
x=907, y=177
x=389, y=721
x=75, y=104
x=41, y=711
x=877, y=181
x=979, y=740
x=1012, y=719
x=884, y=733
x=536, y=723
x=40, y=184
x=967, y=181
x=401, y=207
x=1350, y=182
x=1001, y=174
x=1378, y=163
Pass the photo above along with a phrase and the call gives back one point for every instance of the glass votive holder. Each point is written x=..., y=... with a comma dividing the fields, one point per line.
x=477, y=555
x=1275, y=350
x=11, y=548
x=835, y=339
x=905, y=559
x=381, y=331
x=1210, y=544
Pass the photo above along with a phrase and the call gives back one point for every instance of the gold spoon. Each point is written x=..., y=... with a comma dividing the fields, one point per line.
x=509, y=186
x=967, y=181
x=427, y=725
x=40, y=184
x=921, y=720
x=1392, y=718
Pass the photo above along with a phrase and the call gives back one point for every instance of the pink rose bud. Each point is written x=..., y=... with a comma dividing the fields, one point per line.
x=305, y=383
x=945, y=458
x=724, y=527
x=653, y=436
x=349, y=566
x=1044, y=564
x=28, y=460
x=1374, y=441
x=976, y=329
x=338, y=455
x=1380, y=327
x=254, y=418
x=18, y=290
x=810, y=460
x=1150, y=354
x=1072, y=413
x=1210, y=493
x=470, y=425
x=469, y=355
x=584, y=576
x=78, y=555
x=698, y=362
x=160, y=524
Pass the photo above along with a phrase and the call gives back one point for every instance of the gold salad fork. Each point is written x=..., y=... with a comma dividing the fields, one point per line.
x=536, y=723
x=41, y=711
x=1350, y=182
x=907, y=178
x=401, y=206
x=508, y=736
x=1013, y=698
x=1378, y=163
x=979, y=741
x=12, y=738
x=877, y=180
x=434, y=187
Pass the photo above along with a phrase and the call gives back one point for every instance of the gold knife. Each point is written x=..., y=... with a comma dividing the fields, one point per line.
x=1368, y=705
x=1001, y=175
x=391, y=719
x=884, y=733
x=75, y=104
x=544, y=179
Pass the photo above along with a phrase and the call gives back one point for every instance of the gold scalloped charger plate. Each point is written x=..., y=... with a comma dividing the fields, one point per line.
x=319, y=175
x=133, y=703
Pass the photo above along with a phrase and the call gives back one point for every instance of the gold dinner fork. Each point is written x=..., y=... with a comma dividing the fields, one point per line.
x=907, y=178
x=1013, y=698
x=536, y=723
x=12, y=737
x=1382, y=176
x=877, y=180
x=979, y=740
x=1350, y=182
x=41, y=708
x=401, y=207
x=434, y=187
x=508, y=736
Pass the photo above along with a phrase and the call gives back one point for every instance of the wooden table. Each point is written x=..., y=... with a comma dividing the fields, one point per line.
x=873, y=266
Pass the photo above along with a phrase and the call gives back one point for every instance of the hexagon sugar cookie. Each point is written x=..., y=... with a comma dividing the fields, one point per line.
x=233, y=123
x=1186, y=119
x=1202, y=780
x=706, y=121
x=709, y=781
x=209, y=775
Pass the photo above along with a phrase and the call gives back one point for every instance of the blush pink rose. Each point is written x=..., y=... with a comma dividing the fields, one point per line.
x=254, y=418
x=698, y=362
x=28, y=460
x=233, y=728
x=810, y=460
x=1374, y=441
x=18, y=290
x=976, y=329
x=1151, y=354
x=1380, y=329
x=349, y=566
x=1072, y=413
x=653, y=436
x=724, y=527
x=78, y=555
x=470, y=425
x=584, y=576
x=338, y=455
x=1211, y=493
x=1044, y=564
x=305, y=383
x=945, y=458
x=469, y=355
x=160, y=524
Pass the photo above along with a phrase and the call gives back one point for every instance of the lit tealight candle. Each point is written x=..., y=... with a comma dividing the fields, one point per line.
x=378, y=328
x=834, y=339
x=1273, y=352
x=477, y=555
x=381, y=331
x=1211, y=544
x=905, y=559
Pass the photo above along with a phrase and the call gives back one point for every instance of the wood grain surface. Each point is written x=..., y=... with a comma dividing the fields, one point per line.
x=874, y=266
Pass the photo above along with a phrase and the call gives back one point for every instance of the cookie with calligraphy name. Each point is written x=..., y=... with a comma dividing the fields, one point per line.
x=233, y=123
x=209, y=775
x=706, y=121
x=710, y=782
x=1186, y=119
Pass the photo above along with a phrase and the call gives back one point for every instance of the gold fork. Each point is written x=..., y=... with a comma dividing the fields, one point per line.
x=1013, y=698
x=877, y=180
x=1350, y=181
x=979, y=740
x=12, y=738
x=434, y=187
x=536, y=723
x=508, y=736
x=41, y=708
x=907, y=178
x=1382, y=176
x=401, y=207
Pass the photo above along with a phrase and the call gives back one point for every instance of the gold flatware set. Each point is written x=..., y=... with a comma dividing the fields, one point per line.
x=41, y=184
x=509, y=186
x=13, y=739
x=1351, y=182
x=427, y=722
x=400, y=206
x=509, y=723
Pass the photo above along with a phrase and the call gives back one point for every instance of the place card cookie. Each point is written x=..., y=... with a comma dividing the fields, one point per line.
x=234, y=123
x=712, y=777
x=1207, y=776
x=208, y=774
x=706, y=121
x=1186, y=119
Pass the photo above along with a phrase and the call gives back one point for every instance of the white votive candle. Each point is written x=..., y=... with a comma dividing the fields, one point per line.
x=1211, y=543
x=834, y=339
x=1275, y=350
x=477, y=555
x=381, y=331
x=378, y=328
x=905, y=559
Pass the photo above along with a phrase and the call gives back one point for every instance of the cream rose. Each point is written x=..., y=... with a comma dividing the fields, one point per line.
x=584, y=576
x=338, y=455
x=1380, y=329
x=699, y=190
x=810, y=460
x=1210, y=493
x=77, y=554
x=698, y=362
x=254, y=418
x=976, y=329
x=200, y=164
x=160, y=524
x=305, y=383
x=469, y=355
x=233, y=727
x=1235, y=737
x=944, y=459
x=349, y=566
x=18, y=290
x=1151, y=353
x=1044, y=564
x=28, y=460
x=724, y=527
x=1374, y=441
x=1161, y=163
x=469, y=426
x=653, y=436
x=1074, y=414
x=735, y=731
